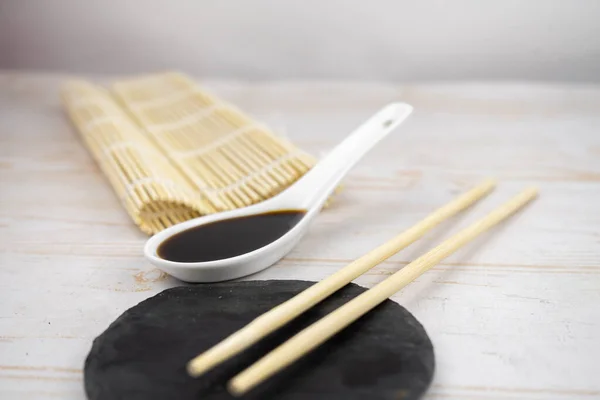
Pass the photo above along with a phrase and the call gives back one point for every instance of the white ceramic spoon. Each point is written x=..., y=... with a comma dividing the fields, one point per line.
x=309, y=193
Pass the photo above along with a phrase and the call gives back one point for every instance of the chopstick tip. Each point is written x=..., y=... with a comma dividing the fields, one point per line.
x=532, y=191
x=235, y=389
x=490, y=183
x=195, y=368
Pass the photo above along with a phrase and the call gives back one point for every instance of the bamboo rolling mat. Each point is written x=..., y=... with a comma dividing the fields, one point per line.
x=173, y=152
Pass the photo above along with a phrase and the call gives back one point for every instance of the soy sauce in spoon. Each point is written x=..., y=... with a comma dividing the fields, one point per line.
x=228, y=238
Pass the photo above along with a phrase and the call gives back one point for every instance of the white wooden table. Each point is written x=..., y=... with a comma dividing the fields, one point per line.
x=516, y=315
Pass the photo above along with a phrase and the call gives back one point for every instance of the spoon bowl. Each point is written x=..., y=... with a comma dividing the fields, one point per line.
x=307, y=195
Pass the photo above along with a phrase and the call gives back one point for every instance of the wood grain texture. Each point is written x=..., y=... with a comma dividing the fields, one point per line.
x=513, y=316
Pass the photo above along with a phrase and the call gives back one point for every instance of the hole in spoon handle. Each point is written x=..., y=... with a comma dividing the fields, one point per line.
x=317, y=184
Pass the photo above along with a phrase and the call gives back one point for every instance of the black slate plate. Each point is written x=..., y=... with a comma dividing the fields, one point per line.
x=142, y=355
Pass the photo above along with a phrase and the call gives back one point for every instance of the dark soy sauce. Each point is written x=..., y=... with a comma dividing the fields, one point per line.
x=228, y=238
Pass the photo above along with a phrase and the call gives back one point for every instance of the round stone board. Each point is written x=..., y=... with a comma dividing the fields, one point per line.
x=386, y=354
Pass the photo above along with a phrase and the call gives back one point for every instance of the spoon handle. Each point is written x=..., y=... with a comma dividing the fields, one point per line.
x=316, y=185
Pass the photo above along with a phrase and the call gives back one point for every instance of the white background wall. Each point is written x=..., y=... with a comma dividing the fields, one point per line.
x=342, y=39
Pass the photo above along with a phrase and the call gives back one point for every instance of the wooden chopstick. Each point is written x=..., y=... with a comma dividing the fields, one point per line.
x=285, y=312
x=320, y=331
